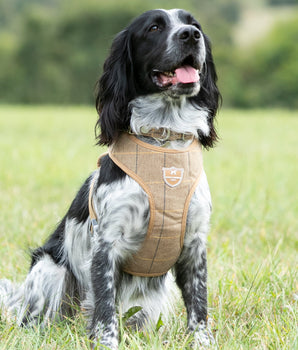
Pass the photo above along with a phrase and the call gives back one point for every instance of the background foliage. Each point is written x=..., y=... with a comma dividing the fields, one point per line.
x=52, y=51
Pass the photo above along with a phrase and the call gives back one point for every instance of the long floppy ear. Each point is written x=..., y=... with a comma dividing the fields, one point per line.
x=114, y=90
x=209, y=96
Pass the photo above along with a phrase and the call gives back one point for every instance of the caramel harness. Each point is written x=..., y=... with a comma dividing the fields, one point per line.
x=169, y=178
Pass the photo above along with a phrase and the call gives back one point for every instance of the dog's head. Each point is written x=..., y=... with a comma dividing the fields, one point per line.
x=160, y=52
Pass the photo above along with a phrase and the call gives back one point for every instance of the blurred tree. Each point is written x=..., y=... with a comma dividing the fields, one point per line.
x=52, y=51
x=60, y=48
x=269, y=74
x=283, y=2
x=58, y=58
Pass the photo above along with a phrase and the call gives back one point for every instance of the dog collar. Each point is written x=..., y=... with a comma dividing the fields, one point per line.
x=163, y=134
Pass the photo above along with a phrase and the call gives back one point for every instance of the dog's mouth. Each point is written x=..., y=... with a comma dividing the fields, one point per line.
x=183, y=74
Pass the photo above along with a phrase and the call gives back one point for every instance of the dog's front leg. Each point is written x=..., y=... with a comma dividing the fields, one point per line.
x=191, y=277
x=104, y=274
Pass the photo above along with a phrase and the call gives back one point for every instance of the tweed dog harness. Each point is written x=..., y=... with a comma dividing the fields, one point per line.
x=169, y=177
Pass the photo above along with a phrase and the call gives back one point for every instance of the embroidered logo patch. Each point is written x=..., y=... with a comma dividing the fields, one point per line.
x=173, y=176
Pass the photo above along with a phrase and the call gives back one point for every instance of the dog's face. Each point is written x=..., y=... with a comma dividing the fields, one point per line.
x=164, y=53
x=168, y=52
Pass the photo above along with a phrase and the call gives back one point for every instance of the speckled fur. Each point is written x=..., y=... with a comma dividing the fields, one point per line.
x=75, y=267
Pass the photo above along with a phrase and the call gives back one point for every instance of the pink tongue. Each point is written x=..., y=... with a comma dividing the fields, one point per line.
x=187, y=74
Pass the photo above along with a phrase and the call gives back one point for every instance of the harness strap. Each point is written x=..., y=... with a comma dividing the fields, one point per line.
x=92, y=214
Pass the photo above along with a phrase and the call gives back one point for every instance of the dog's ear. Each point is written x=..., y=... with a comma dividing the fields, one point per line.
x=209, y=95
x=115, y=89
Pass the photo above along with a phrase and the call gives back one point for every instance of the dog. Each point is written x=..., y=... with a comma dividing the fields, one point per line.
x=159, y=90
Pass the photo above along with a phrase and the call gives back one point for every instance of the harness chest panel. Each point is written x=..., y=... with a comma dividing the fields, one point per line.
x=169, y=177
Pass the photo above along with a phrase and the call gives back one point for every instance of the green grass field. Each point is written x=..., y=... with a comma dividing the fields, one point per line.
x=47, y=152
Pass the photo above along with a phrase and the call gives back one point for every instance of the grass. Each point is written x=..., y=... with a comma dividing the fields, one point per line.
x=47, y=152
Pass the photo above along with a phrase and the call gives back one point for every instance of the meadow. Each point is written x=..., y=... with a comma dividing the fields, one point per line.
x=47, y=152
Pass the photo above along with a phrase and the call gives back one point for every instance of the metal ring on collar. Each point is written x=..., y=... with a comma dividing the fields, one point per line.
x=168, y=133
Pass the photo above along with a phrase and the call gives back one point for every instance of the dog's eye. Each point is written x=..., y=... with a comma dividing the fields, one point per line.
x=154, y=28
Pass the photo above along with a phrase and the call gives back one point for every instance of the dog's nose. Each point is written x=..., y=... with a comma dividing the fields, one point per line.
x=189, y=34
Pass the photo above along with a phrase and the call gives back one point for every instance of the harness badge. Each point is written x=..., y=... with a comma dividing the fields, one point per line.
x=173, y=176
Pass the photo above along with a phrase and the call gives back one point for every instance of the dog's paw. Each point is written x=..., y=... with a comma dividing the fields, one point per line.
x=203, y=337
x=102, y=346
x=106, y=342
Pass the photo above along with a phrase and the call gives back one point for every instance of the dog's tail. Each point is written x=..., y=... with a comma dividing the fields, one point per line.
x=11, y=296
x=49, y=292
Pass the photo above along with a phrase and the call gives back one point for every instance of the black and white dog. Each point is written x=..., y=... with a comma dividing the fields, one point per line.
x=159, y=74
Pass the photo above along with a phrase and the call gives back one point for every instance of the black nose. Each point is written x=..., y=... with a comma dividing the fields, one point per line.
x=189, y=34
